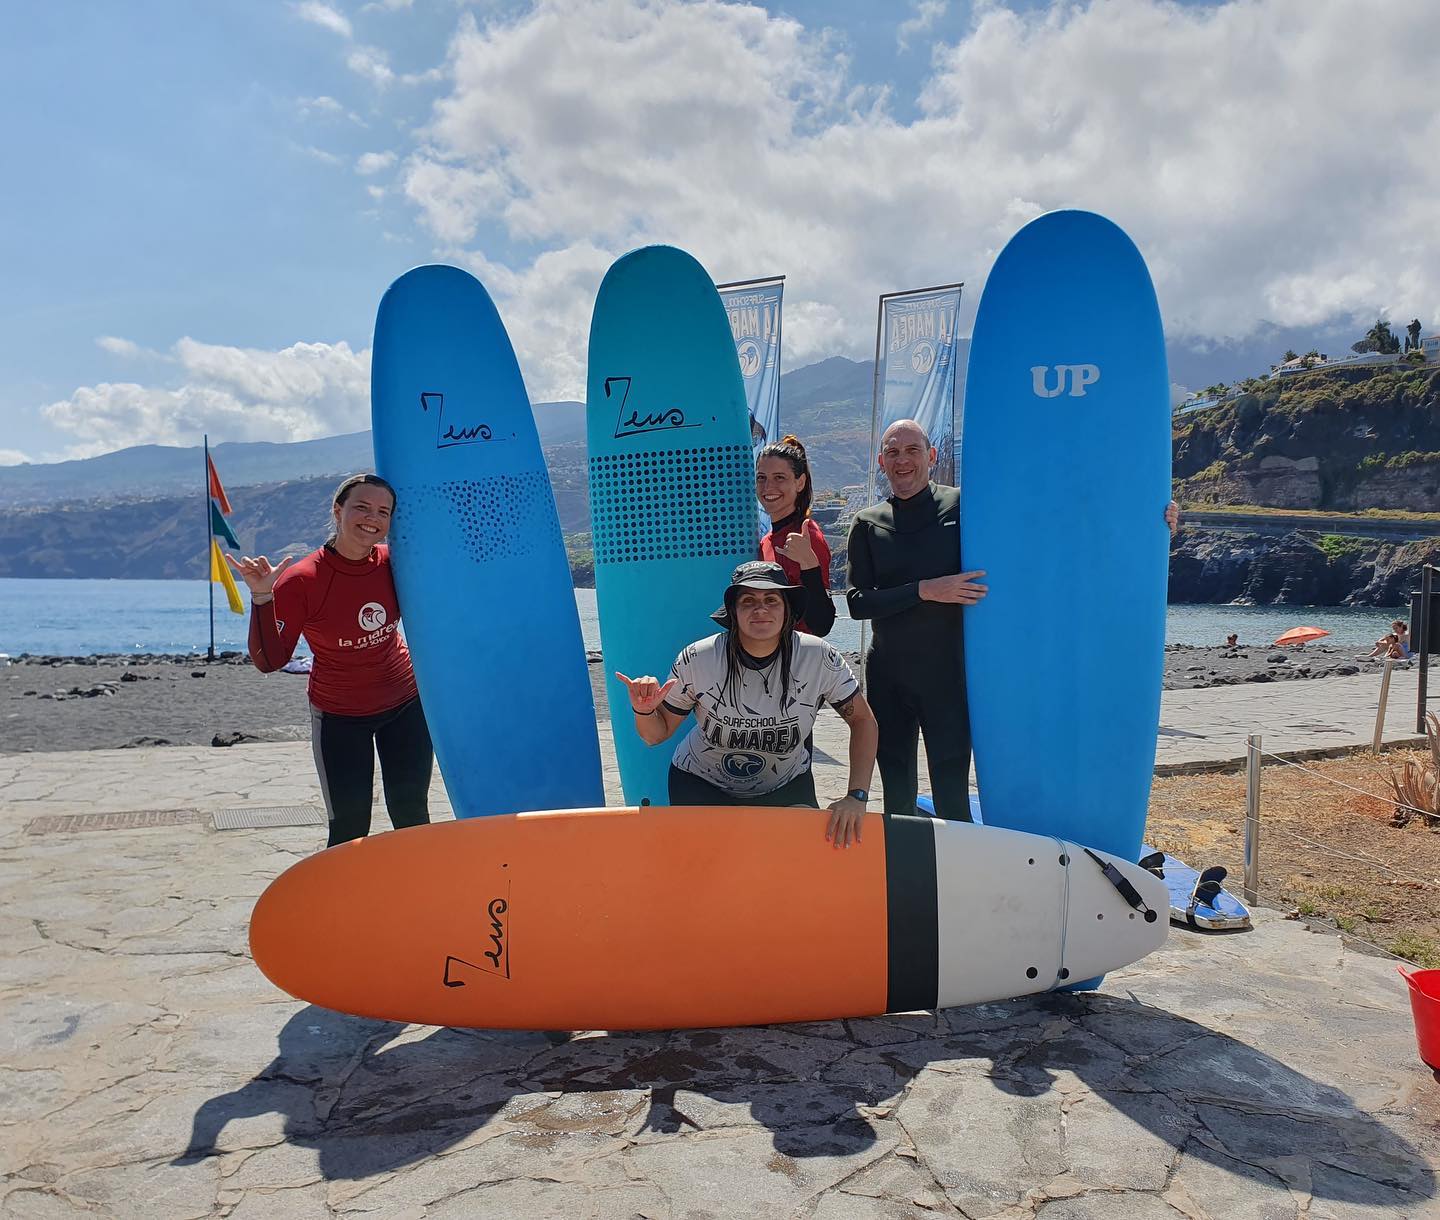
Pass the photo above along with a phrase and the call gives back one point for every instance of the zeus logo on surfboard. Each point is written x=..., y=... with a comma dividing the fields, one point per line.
x=634, y=423
x=452, y=433
x=1078, y=375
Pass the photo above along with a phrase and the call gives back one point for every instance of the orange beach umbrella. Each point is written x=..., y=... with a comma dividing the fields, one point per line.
x=1302, y=635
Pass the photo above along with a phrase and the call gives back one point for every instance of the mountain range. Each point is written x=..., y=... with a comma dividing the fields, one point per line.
x=134, y=513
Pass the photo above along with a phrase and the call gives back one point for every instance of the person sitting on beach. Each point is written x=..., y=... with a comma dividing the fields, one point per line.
x=756, y=689
x=363, y=698
x=1388, y=645
x=782, y=485
x=1402, y=637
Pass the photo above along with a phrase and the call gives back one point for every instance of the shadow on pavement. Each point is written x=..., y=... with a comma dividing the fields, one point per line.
x=383, y=1096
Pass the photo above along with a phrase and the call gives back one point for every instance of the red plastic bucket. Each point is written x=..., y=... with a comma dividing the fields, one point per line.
x=1425, y=1007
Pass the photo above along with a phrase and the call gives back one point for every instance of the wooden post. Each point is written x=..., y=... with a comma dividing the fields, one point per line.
x=1424, y=649
x=1252, y=818
x=1380, y=715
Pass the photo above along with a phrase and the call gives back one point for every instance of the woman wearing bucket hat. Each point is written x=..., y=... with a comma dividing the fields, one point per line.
x=756, y=689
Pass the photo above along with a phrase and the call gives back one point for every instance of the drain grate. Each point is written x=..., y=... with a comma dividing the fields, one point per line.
x=131, y=819
x=266, y=816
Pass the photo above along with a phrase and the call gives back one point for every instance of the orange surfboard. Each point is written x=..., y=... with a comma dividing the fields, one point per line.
x=670, y=918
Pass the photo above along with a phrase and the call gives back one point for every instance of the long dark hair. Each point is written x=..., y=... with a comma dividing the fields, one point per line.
x=790, y=448
x=735, y=666
x=342, y=493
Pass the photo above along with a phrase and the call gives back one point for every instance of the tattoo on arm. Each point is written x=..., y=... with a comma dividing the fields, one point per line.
x=847, y=709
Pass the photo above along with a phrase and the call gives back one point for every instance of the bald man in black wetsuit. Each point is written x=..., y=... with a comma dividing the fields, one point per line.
x=905, y=576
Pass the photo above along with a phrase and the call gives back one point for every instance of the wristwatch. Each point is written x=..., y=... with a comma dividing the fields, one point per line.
x=860, y=795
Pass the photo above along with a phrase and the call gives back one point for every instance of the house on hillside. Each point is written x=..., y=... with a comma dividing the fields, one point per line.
x=1430, y=346
x=1300, y=364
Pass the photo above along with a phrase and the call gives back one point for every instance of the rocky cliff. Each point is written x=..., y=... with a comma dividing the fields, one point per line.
x=1299, y=569
x=1341, y=440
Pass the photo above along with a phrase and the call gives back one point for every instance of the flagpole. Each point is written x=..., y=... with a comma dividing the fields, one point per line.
x=209, y=551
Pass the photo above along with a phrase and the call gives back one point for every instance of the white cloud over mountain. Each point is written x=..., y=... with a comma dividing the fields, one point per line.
x=1273, y=159
x=301, y=392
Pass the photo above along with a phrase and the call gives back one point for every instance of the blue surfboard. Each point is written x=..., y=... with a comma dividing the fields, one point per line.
x=1197, y=899
x=672, y=480
x=480, y=565
x=1065, y=478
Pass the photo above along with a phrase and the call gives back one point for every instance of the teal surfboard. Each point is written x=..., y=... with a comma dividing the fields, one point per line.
x=672, y=480
x=1065, y=477
x=485, y=591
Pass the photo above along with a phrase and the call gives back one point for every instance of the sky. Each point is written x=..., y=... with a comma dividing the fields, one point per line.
x=205, y=202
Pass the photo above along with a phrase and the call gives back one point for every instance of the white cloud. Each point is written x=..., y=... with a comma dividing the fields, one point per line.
x=322, y=155
x=374, y=162
x=13, y=457
x=1270, y=159
x=926, y=14
x=375, y=192
x=326, y=107
x=325, y=16
x=118, y=347
x=320, y=105
x=372, y=63
x=299, y=393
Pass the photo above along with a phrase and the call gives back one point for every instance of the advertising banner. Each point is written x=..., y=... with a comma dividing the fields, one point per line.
x=754, y=310
x=915, y=371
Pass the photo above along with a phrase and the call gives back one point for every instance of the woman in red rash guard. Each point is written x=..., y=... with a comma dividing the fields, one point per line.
x=362, y=689
x=782, y=484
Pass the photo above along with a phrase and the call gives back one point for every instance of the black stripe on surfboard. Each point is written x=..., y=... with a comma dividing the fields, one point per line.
x=914, y=914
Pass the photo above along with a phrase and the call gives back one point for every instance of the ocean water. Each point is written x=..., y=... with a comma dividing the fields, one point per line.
x=78, y=617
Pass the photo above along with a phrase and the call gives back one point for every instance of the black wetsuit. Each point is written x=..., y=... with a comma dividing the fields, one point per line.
x=915, y=669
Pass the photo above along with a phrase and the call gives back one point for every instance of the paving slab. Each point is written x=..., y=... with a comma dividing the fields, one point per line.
x=147, y=1069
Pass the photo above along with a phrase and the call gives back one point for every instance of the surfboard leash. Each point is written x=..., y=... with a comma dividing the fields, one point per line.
x=1122, y=885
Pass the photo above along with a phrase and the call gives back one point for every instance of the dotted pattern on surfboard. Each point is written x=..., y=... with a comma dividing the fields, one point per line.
x=672, y=479
x=480, y=563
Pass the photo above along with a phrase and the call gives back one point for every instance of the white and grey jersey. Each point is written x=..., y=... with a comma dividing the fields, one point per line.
x=746, y=739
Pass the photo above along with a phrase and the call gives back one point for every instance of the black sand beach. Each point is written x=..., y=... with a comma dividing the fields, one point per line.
x=96, y=703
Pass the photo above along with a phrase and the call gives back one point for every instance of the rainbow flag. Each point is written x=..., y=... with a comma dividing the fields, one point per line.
x=220, y=574
x=220, y=528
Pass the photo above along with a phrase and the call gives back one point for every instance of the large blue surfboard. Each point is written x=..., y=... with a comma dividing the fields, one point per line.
x=672, y=480
x=1065, y=478
x=480, y=565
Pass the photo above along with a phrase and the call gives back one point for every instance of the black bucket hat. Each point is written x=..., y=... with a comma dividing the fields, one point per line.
x=759, y=574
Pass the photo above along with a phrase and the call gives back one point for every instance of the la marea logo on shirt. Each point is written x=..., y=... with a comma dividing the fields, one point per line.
x=372, y=616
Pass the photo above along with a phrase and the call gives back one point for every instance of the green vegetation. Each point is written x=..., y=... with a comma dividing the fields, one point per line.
x=1379, y=338
x=1216, y=470
x=1261, y=510
x=1412, y=458
x=1369, y=464
x=1422, y=950
x=1339, y=547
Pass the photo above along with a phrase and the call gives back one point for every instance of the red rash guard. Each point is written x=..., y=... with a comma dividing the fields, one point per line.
x=819, y=614
x=348, y=611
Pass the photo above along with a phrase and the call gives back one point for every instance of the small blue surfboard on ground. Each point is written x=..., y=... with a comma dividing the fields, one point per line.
x=1065, y=478
x=925, y=805
x=480, y=566
x=672, y=480
x=1198, y=899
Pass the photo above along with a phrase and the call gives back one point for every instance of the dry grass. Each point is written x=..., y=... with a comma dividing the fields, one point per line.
x=1416, y=782
x=1326, y=851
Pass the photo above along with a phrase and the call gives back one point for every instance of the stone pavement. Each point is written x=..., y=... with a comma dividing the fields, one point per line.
x=149, y=1070
x=1199, y=727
